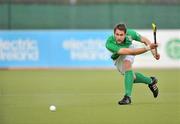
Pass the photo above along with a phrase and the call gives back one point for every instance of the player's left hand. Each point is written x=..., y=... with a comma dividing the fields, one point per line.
x=157, y=56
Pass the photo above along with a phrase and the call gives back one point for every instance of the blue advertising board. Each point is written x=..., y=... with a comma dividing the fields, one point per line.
x=54, y=48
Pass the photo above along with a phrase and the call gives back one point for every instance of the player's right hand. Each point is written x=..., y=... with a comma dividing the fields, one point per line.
x=153, y=45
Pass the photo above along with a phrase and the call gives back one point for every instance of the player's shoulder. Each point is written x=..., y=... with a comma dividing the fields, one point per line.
x=110, y=38
x=130, y=31
x=133, y=34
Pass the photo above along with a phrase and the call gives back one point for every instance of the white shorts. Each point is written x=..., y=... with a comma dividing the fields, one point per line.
x=120, y=60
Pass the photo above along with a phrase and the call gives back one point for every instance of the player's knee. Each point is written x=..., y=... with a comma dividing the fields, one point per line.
x=127, y=65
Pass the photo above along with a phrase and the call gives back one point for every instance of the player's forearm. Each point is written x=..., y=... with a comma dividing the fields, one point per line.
x=147, y=42
x=128, y=51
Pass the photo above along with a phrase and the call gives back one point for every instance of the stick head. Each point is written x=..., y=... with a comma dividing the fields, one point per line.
x=154, y=27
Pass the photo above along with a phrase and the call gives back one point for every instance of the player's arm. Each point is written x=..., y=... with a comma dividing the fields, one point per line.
x=129, y=51
x=147, y=42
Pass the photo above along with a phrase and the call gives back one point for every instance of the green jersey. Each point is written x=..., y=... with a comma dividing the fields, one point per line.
x=114, y=47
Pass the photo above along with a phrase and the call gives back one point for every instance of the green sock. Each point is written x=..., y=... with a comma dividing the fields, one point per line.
x=128, y=82
x=140, y=78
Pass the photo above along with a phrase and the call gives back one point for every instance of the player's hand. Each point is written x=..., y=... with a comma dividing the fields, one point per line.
x=153, y=45
x=157, y=56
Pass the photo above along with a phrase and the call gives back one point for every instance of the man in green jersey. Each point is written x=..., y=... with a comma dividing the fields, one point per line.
x=123, y=53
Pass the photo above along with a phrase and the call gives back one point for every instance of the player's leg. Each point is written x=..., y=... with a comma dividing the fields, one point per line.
x=128, y=78
x=151, y=81
x=140, y=78
x=124, y=65
x=128, y=82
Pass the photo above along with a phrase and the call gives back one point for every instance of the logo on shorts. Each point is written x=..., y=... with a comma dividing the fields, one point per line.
x=173, y=49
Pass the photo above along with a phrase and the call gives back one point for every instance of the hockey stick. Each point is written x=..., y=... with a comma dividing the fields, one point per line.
x=154, y=32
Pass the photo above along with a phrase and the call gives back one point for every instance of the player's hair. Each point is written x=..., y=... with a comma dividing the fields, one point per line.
x=121, y=27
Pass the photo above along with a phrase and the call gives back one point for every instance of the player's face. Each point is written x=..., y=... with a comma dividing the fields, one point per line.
x=119, y=35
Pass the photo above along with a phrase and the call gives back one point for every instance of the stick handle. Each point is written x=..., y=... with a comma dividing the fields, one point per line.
x=155, y=42
x=154, y=30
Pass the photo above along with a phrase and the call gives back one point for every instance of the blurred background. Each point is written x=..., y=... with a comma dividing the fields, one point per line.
x=75, y=31
x=52, y=52
x=88, y=14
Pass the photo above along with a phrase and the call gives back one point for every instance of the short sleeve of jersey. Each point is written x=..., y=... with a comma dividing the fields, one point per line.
x=111, y=46
x=134, y=35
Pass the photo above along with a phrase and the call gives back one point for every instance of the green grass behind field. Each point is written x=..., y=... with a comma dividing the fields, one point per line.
x=85, y=97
